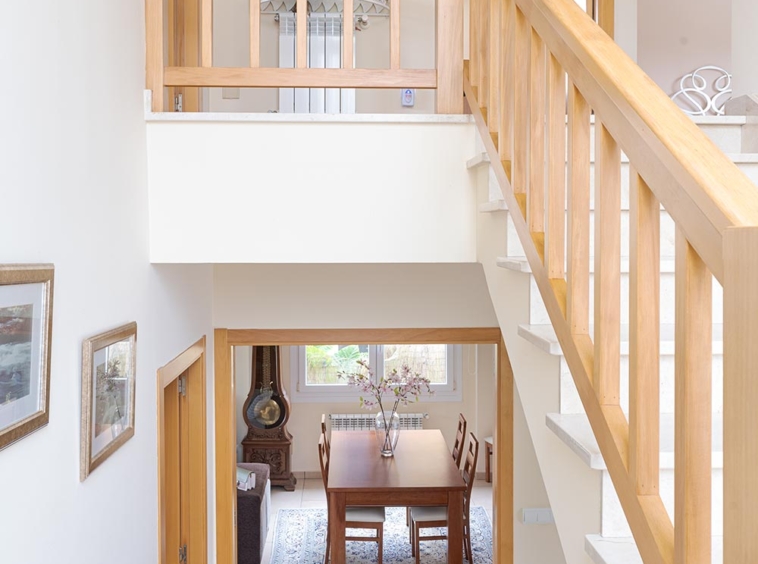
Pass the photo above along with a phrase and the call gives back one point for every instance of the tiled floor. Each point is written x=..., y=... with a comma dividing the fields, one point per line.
x=309, y=493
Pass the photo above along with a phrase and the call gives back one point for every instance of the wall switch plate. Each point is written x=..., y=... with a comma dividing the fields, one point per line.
x=230, y=93
x=537, y=516
x=408, y=97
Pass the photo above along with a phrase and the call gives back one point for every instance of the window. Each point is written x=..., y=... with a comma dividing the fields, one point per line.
x=314, y=369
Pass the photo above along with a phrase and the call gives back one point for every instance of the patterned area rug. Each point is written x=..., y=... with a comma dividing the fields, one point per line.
x=300, y=538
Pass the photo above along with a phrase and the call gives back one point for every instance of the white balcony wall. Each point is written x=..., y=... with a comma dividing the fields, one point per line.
x=289, y=189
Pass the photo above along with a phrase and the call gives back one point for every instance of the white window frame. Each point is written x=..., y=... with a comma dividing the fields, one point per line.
x=302, y=393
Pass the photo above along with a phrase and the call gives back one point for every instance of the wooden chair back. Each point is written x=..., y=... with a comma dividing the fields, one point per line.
x=460, y=438
x=323, y=432
x=469, y=472
x=323, y=459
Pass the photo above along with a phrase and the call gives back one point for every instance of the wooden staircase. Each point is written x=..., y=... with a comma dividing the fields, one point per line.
x=525, y=56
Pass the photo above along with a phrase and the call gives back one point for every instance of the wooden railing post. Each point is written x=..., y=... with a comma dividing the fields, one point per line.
x=206, y=32
x=740, y=394
x=692, y=409
x=154, y=51
x=449, y=39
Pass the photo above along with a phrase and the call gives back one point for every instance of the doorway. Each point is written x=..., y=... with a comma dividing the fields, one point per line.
x=225, y=420
x=182, y=459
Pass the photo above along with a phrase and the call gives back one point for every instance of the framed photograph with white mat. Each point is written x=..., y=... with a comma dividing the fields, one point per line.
x=109, y=363
x=26, y=324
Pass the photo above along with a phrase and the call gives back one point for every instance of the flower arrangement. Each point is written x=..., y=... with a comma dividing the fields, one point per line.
x=403, y=386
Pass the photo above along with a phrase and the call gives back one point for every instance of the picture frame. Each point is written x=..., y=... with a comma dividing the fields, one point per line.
x=26, y=327
x=109, y=362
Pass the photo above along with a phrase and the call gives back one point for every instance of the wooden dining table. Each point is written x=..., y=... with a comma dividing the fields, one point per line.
x=422, y=472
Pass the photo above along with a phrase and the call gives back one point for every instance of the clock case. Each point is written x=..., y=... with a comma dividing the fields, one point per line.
x=266, y=411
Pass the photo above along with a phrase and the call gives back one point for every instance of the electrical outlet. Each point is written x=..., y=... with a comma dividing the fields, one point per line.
x=230, y=93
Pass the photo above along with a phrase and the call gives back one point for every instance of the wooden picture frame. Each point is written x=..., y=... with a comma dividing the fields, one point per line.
x=109, y=362
x=26, y=325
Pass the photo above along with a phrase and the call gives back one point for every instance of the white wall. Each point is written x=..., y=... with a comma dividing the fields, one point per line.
x=477, y=406
x=74, y=193
x=329, y=192
x=677, y=36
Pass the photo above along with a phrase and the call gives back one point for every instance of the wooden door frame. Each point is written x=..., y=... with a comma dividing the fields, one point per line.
x=225, y=420
x=193, y=360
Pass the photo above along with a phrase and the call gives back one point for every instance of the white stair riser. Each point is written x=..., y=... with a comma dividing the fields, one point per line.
x=570, y=402
x=613, y=521
x=538, y=314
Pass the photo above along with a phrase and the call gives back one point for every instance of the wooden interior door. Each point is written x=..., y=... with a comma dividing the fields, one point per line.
x=182, y=464
x=184, y=50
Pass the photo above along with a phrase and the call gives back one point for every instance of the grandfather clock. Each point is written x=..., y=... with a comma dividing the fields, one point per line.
x=266, y=412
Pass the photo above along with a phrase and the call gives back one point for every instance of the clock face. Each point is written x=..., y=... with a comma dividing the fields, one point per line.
x=265, y=411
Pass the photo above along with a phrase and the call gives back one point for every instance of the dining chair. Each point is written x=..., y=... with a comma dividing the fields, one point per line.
x=460, y=438
x=323, y=432
x=435, y=517
x=355, y=517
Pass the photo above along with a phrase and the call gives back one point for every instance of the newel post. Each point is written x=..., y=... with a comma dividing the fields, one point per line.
x=449, y=49
x=741, y=394
x=154, y=51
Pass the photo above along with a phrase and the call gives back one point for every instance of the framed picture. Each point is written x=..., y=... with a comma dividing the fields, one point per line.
x=26, y=324
x=109, y=363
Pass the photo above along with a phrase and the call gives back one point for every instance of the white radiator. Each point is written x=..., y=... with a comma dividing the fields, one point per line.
x=365, y=421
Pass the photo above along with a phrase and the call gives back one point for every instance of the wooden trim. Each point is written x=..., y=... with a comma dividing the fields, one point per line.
x=191, y=360
x=154, y=52
x=740, y=394
x=394, y=34
x=692, y=452
x=347, y=34
x=578, y=272
x=502, y=480
x=555, y=254
x=449, y=56
x=255, y=33
x=301, y=34
x=180, y=364
x=226, y=499
x=206, y=22
x=463, y=335
x=299, y=78
x=536, y=82
x=198, y=462
x=700, y=187
x=190, y=43
x=607, y=266
x=473, y=41
x=644, y=335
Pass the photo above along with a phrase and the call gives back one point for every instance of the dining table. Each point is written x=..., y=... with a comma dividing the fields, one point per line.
x=421, y=472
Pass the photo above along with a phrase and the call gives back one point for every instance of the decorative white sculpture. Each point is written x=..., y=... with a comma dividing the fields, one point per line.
x=700, y=100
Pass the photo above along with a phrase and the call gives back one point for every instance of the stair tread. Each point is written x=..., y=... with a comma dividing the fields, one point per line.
x=493, y=206
x=521, y=264
x=478, y=160
x=544, y=338
x=575, y=431
x=623, y=550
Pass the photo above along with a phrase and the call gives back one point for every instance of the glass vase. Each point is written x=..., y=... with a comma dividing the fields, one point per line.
x=387, y=431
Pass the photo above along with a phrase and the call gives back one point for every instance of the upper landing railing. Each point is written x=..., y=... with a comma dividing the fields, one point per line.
x=198, y=70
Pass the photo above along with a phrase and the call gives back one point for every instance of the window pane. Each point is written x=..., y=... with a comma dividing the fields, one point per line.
x=429, y=360
x=322, y=362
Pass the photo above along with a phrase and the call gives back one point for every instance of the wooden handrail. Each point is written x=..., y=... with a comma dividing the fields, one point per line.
x=715, y=209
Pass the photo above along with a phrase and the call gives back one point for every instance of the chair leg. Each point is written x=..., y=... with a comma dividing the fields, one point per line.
x=410, y=535
x=380, y=537
x=408, y=516
x=328, y=546
x=416, y=542
x=467, y=544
